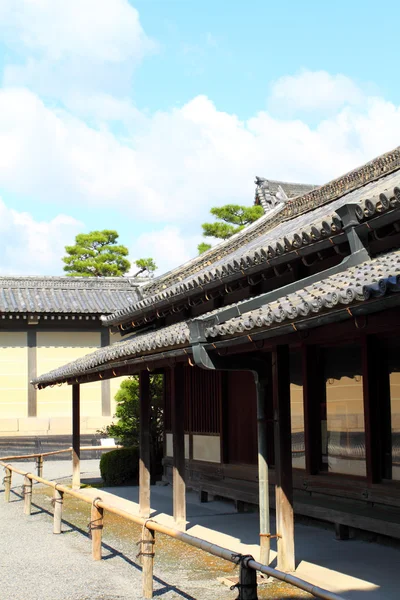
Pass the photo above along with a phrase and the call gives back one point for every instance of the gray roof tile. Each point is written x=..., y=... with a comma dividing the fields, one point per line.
x=356, y=285
x=66, y=294
x=265, y=239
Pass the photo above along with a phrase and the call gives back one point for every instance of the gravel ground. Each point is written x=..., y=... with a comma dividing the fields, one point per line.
x=35, y=564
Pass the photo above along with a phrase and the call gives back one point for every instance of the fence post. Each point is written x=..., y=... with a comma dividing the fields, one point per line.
x=7, y=483
x=58, y=500
x=96, y=529
x=147, y=554
x=247, y=580
x=27, y=495
x=39, y=464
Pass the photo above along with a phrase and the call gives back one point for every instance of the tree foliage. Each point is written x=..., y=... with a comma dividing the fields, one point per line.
x=203, y=247
x=231, y=219
x=96, y=254
x=145, y=264
x=126, y=428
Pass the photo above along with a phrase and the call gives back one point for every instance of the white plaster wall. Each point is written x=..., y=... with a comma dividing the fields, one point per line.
x=207, y=447
x=169, y=448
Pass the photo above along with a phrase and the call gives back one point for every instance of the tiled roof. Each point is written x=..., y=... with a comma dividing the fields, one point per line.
x=375, y=169
x=354, y=286
x=261, y=243
x=371, y=279
x=66, y=294
x=135, y=345
x=292, y=190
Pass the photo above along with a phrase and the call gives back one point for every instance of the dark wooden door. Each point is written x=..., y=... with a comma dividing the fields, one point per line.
x=241, y=418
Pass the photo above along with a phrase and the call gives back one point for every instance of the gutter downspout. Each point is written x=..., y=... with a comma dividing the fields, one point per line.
x=260, y=367
x=257, y=364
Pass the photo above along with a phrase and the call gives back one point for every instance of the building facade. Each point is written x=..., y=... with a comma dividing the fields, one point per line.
x=279, y=349
x=45, y=322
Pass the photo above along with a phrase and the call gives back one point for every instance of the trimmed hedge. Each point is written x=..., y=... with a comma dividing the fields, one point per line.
x=120, y=467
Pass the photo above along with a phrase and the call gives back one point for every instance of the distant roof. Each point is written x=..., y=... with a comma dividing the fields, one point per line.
x=268, y=190
x=67, y=294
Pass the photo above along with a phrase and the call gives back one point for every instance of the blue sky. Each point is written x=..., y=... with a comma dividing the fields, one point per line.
x=140, y=116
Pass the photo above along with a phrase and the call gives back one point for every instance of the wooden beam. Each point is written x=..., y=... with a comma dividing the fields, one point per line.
x=372, y=409
x=313, y=391
x=178, y=436
x=32, y=368
x=144, y=459
x=283, y=459
x=76, y=435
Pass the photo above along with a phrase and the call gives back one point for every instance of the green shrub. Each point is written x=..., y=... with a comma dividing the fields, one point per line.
x=120, y=467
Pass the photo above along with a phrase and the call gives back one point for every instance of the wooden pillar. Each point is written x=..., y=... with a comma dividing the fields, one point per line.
x=27, y=495
x=58, y=500
x=283, y=459
x=262, y=387
x=7, y=483
x=76, y=435
x=32, y=361
x=178, y=437
x=148, y=543
x=144, y=458
x=96, y=529
x=105, y=383
x=39, y=466
x=313, y=391
x=372, y=416
x=247, y=581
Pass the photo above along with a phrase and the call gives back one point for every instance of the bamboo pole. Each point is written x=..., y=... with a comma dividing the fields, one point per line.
x=147, y=552
x=96, y=529
x=7, y=483
x=82, y=449
x=27, y=495
x=186, y=538
x=58, y=500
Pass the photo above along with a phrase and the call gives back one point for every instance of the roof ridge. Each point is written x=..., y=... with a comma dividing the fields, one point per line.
x=368, y=172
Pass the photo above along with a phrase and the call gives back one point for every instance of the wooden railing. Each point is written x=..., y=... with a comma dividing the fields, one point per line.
x=41, y=455
x=248, y=566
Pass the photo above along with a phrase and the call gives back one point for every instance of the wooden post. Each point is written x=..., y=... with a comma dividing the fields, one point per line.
x=313, y=392
x=7, y=483
x=178, y=436
x=39, y=464
x=261, y=381
x=27, y=495
x=96, y=529
x=283, y=459
x=247, y=581
x=372, y=409
x=76, y=434
x=58, y=499
x=144, y=458
x=147, y=550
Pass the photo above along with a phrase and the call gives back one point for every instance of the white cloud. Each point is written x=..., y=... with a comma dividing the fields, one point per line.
x=169, y=247
x=79, y=45
x=30, y=247
x=178, y=163
x=314, y=90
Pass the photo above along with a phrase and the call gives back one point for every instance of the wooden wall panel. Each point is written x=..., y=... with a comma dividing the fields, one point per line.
x=242, y=418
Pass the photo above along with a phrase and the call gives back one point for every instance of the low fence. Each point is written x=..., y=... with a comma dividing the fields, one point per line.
x=39, y=457
x=247, y=585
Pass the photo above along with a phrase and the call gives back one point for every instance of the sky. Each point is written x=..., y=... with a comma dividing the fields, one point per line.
x=141, y=115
